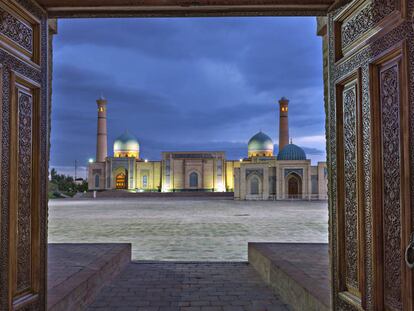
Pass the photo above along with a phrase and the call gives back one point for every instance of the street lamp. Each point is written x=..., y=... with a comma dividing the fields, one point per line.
x=90, y=160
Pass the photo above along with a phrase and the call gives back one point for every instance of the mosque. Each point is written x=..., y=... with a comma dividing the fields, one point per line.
x=259, y=176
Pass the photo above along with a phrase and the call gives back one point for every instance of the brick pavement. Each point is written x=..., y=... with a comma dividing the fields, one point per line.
x=168, y=229
x=178, y=286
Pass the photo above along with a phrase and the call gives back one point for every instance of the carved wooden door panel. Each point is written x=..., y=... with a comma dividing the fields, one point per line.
x=24, y=155
x=371, y=153
x=293, y=187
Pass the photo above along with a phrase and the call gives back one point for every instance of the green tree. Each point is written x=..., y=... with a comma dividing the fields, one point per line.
x=60, y=183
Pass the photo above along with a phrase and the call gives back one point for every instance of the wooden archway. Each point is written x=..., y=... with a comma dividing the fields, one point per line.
x=369, y=120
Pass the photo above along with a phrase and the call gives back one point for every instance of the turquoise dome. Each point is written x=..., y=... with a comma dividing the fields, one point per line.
x=291, y=152
x=126, y=143
x=260, y=143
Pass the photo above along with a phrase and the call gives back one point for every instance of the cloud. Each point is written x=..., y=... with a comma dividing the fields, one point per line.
x=184, y=83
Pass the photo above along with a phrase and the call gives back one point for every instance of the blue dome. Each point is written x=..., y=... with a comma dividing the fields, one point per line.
x=260, y=143
x=126, y=143
x=291, y=152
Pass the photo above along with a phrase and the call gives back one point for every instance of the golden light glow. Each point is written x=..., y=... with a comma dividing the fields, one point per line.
x=123, y=154
x=260, y=154
x=101, y=109
x=284, y=109
x=220, y=187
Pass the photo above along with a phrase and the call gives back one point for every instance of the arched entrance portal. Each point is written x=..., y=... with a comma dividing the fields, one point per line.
x=193, y=180
x=254, y=186
x=121, y=181
x=294, y=186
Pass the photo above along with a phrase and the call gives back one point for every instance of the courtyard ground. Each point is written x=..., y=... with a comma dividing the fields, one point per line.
x=188, y=287
x=177, y=229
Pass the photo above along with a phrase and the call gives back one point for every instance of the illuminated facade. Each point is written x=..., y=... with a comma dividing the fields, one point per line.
x=259, y=176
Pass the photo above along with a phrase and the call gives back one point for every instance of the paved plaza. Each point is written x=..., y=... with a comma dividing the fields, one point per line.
x=187, y=287
x=176, y=229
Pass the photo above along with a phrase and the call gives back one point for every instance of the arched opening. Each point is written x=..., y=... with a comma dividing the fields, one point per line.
x=121, y=181
x=254, y=185
x=352, y=38
x=144, y=181
x=294, y=186
x=193, y=180
x=96, y=181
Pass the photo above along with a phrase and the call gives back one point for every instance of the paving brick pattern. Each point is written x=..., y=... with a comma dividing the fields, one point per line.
x=173, y=286
x=177, y=229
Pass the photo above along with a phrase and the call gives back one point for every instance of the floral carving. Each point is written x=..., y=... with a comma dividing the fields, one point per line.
x=337, y=71
x=350, y=193
x=16, y=31
x=390, y=114
x=367, y=18
x=12, y=63
x=366, y=154
x=24, y=192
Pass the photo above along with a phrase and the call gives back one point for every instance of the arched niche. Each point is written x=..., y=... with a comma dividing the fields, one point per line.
x=293, y=187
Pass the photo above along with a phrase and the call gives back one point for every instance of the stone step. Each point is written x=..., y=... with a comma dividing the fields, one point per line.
x=77, y=272
x=297, y=272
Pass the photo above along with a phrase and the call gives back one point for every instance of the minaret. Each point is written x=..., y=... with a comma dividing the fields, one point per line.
x=102, y=136
x=283, y=123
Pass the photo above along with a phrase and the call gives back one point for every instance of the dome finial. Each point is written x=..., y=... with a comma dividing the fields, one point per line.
x=291, y=140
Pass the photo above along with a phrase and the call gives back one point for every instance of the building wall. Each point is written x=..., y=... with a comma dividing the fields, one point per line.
x=118, y=165
x=248, y=171
x=210, y=168
x=274, y=176
x=231, y=165
x=148, y=175
x=322, y=181
x=300, y=168
x=237, y=180
x=96, y=169
x=314, y=182
x=214, y=174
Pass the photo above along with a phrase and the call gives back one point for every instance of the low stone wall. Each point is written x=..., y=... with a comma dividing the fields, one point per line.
x=77, y=272
x=297, y=273
x=181, y=194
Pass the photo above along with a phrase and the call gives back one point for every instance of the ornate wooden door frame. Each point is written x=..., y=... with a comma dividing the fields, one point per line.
x=391, y=175
x=24, y=154
x=370, y=127
x=371, y=63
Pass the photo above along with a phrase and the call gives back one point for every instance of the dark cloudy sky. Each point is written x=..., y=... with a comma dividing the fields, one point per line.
x=185, y=84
